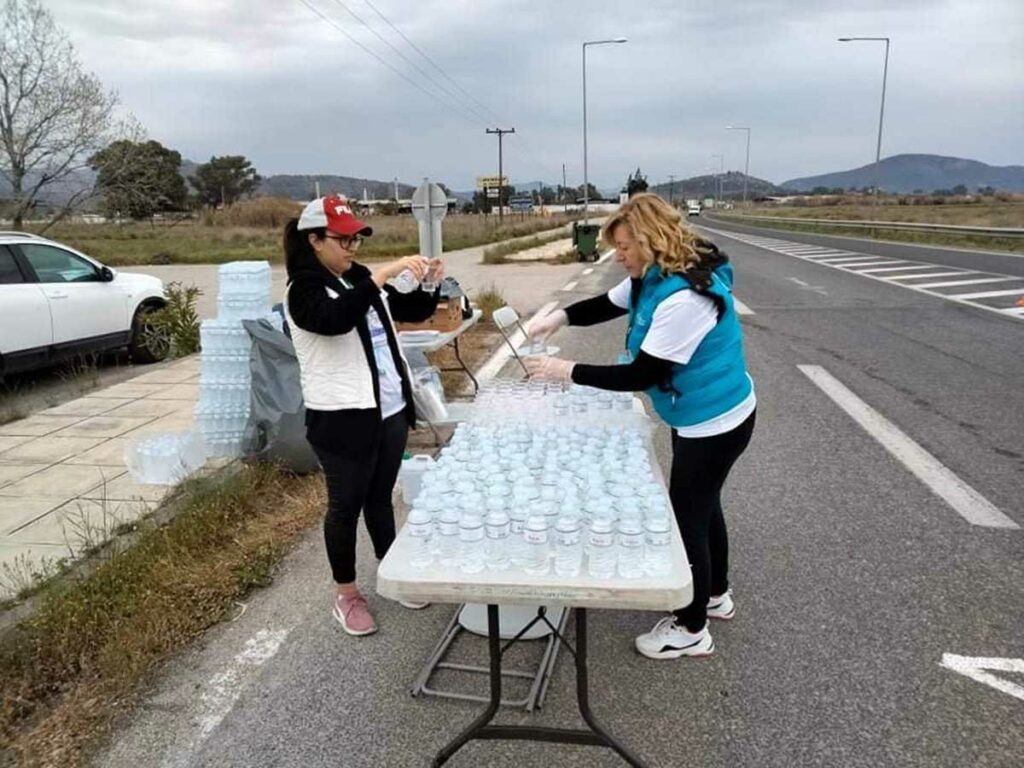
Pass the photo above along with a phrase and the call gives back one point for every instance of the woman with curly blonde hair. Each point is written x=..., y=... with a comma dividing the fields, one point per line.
x=684, y=348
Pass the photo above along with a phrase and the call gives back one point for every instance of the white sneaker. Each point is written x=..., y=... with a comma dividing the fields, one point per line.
x=722, y=606
x=412, y=605
x=668, y=641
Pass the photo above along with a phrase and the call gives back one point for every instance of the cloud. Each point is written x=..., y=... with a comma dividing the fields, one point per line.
x=273, y=81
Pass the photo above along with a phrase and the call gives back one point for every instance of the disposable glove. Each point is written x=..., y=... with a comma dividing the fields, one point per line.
x=544, y=326
x=553, y=368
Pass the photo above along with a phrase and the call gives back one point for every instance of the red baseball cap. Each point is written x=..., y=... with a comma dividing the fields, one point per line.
x=335, y=214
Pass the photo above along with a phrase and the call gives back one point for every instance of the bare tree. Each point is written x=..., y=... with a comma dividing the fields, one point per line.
x=53, y=115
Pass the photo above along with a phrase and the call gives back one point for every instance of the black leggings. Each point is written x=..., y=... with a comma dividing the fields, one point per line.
x=699, y=468
x=363, y=484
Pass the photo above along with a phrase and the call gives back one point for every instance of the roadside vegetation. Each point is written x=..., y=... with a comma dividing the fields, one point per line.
x=251, y=229
x=1001, y=210
x=497, y=254
x=70, y=670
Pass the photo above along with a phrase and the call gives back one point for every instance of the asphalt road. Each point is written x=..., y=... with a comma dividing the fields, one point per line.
x=852, y=578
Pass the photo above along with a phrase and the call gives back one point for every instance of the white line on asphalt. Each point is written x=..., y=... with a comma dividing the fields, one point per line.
x=607, y=255
x=1018, y=311
x=570, y=285
x=741, y=308
x=897, y=269
x=978, y=281
x=503, y=354
x=851, y=259
x=588, y=270
x=974, y=668
x=860, y=264
x=966, y=501
x=987, y=294
x=224, y=688
x=931, y=276
x=798, y=281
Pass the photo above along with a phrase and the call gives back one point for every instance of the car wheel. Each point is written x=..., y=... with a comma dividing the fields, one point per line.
x=148, y=344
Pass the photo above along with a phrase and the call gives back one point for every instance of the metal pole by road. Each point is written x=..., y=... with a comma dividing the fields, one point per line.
x=746, y=168
x=721, y=171
x=501, y=178
x=671, y=189
x=881, y=111
x=586, y=178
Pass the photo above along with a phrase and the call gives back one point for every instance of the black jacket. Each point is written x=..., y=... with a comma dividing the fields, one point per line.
x=353, y=432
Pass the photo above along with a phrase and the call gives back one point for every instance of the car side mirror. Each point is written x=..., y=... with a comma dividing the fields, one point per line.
x=106, y=274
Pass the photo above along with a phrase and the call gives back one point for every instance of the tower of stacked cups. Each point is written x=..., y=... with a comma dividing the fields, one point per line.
x=224, y=380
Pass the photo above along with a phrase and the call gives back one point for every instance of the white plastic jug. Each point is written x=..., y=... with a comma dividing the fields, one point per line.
x=411, y=475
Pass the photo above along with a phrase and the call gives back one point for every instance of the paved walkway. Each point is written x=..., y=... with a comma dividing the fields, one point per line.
x=63, y=482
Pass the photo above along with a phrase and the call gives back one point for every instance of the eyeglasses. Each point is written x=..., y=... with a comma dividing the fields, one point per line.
x=350, y=243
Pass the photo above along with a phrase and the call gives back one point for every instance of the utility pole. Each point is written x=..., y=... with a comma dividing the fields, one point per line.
x=562, y=196
x=395, y=182
x=500, y=132
x=671, y=189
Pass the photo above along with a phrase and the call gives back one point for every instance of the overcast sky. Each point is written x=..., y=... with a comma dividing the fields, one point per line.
x=273, y=81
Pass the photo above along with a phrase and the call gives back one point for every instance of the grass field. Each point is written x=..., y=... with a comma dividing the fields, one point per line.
x=252, y=230
x=979, y=214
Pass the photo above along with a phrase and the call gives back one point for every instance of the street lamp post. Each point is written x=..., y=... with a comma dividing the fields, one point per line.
x=586, y=179
x=746, y=168
x=721, y=170
x=881, y=111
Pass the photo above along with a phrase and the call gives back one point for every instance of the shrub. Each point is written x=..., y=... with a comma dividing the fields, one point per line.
x=178, y=321
x=489, y=300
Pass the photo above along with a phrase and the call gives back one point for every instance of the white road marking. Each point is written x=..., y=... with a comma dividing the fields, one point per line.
x=224, y=688
x=896, y=269
x=966, y=501
x=931, y=276
x=951, y=283
x=859, y=264
x=847, y=259
x=974, y=668
x=570, y=285
x=741, y=308
x=503, y=354
x=588, y=270
x=607, y=255
x=798, y=281
x=1018, y=311
x=987, y=294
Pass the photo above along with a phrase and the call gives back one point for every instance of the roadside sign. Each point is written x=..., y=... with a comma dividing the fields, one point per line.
x=429, y=207
x=489, y=182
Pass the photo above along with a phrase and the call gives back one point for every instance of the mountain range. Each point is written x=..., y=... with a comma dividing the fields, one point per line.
x=907, y=173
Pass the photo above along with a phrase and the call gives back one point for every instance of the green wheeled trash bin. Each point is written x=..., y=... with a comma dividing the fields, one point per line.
x=584, y=240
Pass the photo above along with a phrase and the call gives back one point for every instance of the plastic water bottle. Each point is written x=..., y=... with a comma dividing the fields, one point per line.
x=631, y=548
x=656, y=544
x=601, y=548
x=536, y=537
x=405, y=282
x=498, y=529
x=568, y=546
x=448, y=537
x=471, y=543
x=517, y=543
x=420, y=527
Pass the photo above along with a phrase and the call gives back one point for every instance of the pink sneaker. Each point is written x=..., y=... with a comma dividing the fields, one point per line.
x=354, y=614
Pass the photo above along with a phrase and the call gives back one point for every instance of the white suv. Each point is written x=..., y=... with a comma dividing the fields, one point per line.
x=56, y=303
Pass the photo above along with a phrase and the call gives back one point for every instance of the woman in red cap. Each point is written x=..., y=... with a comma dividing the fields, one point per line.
x=355, y=380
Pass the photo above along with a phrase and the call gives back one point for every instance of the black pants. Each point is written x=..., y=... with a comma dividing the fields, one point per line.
x=362, y=484
x=699, y=468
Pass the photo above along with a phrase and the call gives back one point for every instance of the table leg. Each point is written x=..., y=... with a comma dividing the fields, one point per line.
x=494, y=648
x=455, y=346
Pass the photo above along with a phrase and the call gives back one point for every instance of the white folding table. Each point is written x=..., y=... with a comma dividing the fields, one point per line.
x=445, y=339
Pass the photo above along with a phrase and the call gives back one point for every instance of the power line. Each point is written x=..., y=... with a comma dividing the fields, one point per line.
x=434, y=64
x=397, y=71
x=478, y=115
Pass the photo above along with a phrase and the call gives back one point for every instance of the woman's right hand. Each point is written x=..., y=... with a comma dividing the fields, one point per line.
x=416, y=264
x=543, y=327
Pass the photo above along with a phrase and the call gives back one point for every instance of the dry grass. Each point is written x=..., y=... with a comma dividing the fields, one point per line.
x=70, y=670
x=252, y=230
x=979, y=214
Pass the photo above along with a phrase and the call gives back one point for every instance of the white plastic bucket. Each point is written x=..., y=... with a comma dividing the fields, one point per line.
x=411, y=475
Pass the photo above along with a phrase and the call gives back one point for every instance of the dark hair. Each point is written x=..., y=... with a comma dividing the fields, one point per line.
x=299, y=255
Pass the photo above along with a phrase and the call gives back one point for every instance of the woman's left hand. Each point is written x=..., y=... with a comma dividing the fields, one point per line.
x=553, y=368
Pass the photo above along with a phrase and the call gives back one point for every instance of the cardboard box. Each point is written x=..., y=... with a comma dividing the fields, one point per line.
x=447, y=317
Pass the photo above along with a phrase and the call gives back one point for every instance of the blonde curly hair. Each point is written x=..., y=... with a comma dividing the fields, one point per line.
x=661, y=233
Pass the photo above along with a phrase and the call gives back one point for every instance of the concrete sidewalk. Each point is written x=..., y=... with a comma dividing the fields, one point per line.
x=64, y=485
